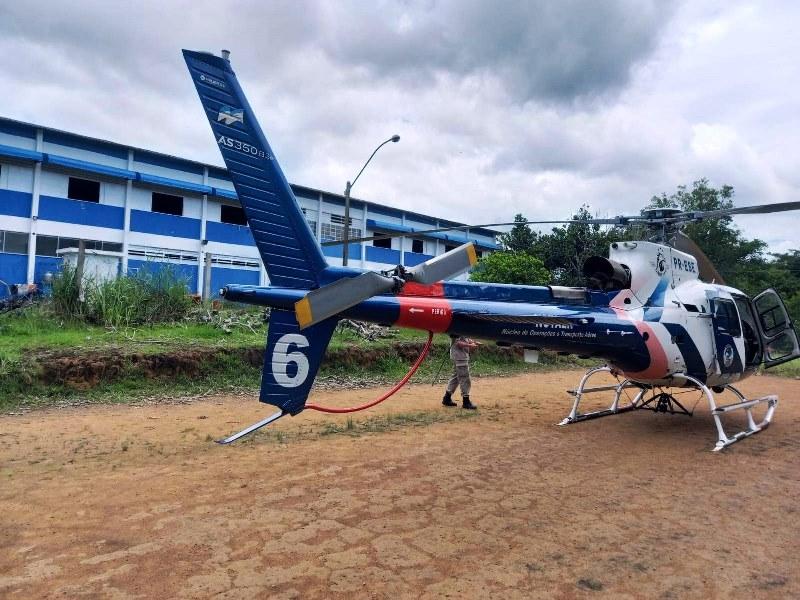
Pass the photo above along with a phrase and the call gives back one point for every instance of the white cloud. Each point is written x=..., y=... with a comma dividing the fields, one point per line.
x=536, y=108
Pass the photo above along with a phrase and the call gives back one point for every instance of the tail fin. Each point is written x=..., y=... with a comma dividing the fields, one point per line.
x=292, y=359
x=289, y=250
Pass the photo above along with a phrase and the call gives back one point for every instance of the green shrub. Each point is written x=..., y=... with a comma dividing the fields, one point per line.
x=66, y=292
x=152, y=295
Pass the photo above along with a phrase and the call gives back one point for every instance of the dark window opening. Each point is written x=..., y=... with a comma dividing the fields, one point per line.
x=83, y=189
x=417, y=246
x=167, y=204
x=690, y=308
x=448, y=247
x=232, y=214
x=383, y=243
x=726, y=317
x=46, y=245
x=12, y=242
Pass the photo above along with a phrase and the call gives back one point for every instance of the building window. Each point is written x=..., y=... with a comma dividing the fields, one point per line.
x=383, y=243
x=232, y=214
x=339, y=220
x=335, y=233
x=47, y=245
x=167, y=204
x=12, y=242
x=417, y=246
x=448, y=247
x=83, y=189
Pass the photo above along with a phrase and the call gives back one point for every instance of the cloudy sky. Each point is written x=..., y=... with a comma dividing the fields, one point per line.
x=503, y=107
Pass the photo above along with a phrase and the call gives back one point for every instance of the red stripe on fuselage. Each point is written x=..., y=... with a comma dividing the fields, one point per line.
x=659, y=365
x=435, y=290
x=429, y=314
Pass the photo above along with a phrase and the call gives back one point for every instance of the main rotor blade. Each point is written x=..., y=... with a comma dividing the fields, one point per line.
x=384, y=236
x=707, y=271
x=444, y=266
x=331, y=299
x=742, y=210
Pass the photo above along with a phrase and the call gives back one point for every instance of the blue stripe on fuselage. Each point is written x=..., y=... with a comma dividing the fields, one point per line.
x=607, y=336
x=688, y=349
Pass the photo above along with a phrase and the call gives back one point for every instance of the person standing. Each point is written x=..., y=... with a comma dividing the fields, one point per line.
x=460, y=347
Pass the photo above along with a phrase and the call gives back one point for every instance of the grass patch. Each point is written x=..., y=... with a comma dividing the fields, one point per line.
x=789, y=369
x=371, y=425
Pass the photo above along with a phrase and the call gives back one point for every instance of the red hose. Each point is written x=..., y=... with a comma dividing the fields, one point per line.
x=391, y=392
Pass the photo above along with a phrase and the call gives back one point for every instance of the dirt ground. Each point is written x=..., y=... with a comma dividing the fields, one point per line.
x=138, y=502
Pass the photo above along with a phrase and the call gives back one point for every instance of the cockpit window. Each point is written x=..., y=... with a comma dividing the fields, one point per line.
x=726, y=317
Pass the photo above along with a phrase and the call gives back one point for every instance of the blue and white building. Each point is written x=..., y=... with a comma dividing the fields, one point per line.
x=142, y=206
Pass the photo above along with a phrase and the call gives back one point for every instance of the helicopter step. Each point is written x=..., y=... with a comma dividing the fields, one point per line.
x=575, y=416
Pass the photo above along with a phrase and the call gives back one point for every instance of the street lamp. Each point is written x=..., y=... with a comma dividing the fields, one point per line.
x=346, y=238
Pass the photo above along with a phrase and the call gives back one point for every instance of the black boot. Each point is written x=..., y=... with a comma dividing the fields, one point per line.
x=467, y=404
x=447, y=400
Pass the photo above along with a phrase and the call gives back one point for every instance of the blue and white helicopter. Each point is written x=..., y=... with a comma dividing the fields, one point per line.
x=657, y=311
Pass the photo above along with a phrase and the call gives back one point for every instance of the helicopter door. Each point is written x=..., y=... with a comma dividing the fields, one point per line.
x=726, y=327
x=777, y=331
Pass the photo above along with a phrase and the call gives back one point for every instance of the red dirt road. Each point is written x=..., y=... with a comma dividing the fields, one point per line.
x=137, y=502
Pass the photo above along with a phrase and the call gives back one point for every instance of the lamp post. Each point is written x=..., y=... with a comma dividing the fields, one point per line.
x=346, y=238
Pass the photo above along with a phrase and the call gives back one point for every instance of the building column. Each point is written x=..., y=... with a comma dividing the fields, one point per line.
x=201, y=255
x=126, y=221
x=318, y=232
x=37, y=177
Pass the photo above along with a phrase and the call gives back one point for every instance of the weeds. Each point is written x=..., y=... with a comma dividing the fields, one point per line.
x=66, y=294
x=152, y=295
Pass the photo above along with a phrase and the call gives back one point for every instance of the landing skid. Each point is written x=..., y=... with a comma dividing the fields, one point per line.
x=576, y=417
x=667, y=403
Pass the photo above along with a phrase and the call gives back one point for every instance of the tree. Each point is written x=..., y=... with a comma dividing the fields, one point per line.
x=738, y=259
x=511, y=267
x=565, y=248
x=520, y=239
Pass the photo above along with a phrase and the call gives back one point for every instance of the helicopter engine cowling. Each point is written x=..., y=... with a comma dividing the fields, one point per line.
x=606, y=274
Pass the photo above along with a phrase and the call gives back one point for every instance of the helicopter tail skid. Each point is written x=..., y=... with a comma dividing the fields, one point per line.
x=665, y=404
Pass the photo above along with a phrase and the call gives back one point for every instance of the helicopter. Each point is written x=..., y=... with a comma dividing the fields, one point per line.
x=655, y=310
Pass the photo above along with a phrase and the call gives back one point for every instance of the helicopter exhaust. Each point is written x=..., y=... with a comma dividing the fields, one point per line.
x=606, y=274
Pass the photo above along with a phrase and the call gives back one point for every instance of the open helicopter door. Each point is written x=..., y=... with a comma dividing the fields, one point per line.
x=777, y=331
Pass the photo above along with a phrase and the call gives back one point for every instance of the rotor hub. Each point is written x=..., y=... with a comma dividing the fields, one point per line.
x=659, y=212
